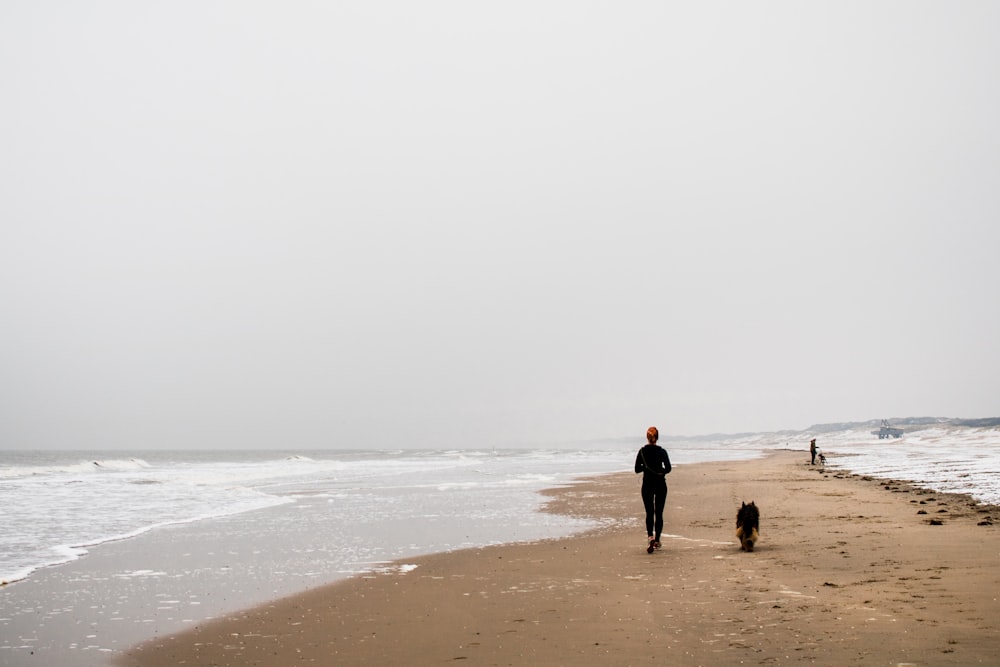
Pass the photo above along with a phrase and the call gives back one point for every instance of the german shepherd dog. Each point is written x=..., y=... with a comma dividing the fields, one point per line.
x=748, y=525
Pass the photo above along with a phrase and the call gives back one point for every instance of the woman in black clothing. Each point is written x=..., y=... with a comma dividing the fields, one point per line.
x=654, y=464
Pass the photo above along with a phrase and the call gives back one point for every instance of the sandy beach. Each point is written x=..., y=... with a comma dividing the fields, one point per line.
x=849, y=570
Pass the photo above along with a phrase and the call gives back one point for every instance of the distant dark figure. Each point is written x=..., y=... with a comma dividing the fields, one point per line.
x=748, y=526
x=812, y=450
x=654, y=464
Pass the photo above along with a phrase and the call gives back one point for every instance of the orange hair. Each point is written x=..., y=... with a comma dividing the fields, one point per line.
x=652, y=435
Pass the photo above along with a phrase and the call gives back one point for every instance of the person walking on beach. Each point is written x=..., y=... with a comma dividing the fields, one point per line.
x=654, y=464
x=812, y=450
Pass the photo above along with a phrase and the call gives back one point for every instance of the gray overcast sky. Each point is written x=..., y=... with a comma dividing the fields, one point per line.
x=380, y=224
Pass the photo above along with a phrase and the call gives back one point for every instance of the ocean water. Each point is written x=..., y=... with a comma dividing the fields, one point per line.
x=60, y=505
x=940, y=458
x=107, y=548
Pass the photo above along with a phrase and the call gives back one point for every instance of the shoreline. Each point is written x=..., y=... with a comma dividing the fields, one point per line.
x=846, y=571
x=124, y=592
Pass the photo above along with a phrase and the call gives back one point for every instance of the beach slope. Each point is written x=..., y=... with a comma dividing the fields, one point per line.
x=848, y=571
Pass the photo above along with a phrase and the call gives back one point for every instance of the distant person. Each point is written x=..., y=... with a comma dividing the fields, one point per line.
x=812, y=450
x=654, y=464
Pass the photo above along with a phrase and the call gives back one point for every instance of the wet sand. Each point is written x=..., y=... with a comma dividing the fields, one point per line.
x=848, y=571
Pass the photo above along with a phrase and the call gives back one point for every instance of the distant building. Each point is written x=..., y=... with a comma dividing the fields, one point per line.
x=887, y=431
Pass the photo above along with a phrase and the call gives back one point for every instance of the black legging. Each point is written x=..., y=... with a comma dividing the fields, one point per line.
x=654, y=497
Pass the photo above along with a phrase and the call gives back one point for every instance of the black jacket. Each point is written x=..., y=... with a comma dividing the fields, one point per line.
x=653, y=462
